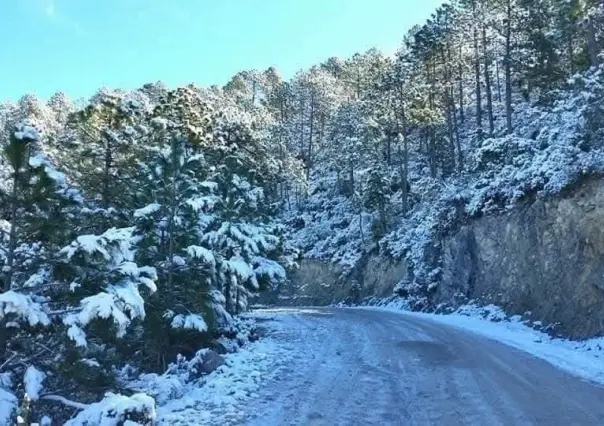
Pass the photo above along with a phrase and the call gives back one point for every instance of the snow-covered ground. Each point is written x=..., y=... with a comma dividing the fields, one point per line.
x=375, y=366
x=386, y=365
x=220, y=398
x=581, y=358
x=314, y=362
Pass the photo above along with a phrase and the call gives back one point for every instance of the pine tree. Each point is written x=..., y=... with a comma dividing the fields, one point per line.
x=376, y=197
x=171, y=225
x=104, y=143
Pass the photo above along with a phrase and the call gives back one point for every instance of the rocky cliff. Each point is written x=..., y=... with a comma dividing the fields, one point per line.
x=544, y=260
x=318, y=283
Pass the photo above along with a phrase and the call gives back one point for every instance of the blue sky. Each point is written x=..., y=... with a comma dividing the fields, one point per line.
x=79, y=45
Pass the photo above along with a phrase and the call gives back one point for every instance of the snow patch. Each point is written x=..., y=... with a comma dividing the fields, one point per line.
x=190, y=321
x=24, y=307
x=8, y=405
x=33, y=382
x=116, y=410
x=221, y=396
x=583, y=359
x=147, y=210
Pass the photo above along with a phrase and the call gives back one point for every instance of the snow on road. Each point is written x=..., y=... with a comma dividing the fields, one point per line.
x=371, y=367
x=376, y=366
x=584, y=359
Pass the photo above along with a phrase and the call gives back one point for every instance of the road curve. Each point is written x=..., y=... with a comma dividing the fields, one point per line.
x=366, y=367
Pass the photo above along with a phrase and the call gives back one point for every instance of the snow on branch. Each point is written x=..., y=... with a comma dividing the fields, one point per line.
x=65, y=401
x=189, y=321
x=198, y=252
x=120, y=303
x=27, y=132
x=147, y=210
x=114, y=245
x=268, y=268
x=24, y=307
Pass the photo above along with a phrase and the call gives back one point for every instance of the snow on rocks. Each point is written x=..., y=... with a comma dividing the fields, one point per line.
x=115, y=410
x=208, y=361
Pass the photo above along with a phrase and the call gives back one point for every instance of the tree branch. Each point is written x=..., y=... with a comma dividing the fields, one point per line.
x=5, y=363
x=65, y=401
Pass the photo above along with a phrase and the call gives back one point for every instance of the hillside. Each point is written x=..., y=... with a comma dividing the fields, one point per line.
x=139, y=225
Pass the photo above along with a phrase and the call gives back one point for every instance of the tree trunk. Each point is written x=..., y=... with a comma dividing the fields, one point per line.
x=477, y=74
x=508, y=68
x=311, y=126
x=7, y=276
x=457, y=138
x=487, y=80
x=389, y=148
x=404, y=161
x=301, y=124
x=406, y=187
x=228, y=305
x=449, y=110
x=361, y=225
x=171, y=219
x=592, y=44
x=478, y=88
x=571, y=53
x=462, y=115
x=253, y=92
x=431, y=144
x=499, y=98
x=351, y=177
x=107, y=173
x=430, y=136
x=12, y=236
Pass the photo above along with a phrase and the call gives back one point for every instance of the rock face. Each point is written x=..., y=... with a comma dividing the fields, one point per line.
x=319, y=283
x=546, y=258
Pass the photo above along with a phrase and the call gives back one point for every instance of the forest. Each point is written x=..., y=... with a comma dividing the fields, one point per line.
x=138, y=224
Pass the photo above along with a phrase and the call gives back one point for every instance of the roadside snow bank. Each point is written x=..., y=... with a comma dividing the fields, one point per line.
x=581, y=358
x=219, y=397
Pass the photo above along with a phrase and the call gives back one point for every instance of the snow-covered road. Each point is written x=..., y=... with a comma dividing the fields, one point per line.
x=368, y=367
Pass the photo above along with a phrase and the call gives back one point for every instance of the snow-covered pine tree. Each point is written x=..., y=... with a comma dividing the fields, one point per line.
x=376, y=197
x=179, y=208
x=38, y=214
x=243, y=240
x=51, y=283
x=103, y=141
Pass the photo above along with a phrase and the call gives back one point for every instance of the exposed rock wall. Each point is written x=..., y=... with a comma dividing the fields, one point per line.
x=546, y=257
x=319, y=283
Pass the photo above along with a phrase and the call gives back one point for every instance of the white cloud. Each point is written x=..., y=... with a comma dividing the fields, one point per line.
x=49, y=8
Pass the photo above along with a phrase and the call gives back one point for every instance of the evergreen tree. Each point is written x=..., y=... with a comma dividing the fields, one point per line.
x=105, y=148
